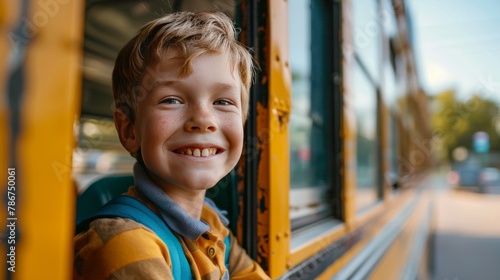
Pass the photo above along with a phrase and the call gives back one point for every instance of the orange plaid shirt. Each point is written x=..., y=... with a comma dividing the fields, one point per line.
x=116, y=248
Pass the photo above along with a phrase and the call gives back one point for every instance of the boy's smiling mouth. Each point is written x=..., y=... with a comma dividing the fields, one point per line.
x=197, y=152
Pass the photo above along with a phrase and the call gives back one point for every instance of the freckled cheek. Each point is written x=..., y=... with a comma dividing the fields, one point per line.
x=235, y=134
x=158, y=128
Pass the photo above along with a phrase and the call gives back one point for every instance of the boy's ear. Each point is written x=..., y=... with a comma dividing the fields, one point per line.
x=126, y=132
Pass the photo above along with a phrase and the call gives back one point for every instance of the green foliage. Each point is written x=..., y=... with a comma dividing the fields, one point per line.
x=455, y=121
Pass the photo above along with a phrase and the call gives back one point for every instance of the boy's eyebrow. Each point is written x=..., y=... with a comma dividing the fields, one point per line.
x=218, y=85
x=162, y=83
x=225, y=86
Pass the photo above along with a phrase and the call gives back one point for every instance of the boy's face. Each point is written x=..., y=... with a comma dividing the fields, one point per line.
x=190, y=129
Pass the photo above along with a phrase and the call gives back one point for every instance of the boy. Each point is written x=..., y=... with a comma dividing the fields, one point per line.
x=181, y=90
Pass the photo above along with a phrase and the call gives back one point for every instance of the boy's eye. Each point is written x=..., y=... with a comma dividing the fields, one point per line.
x=171, y=100
x=223, y=102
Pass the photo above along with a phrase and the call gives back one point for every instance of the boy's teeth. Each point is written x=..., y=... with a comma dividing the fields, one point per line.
x=200, y=152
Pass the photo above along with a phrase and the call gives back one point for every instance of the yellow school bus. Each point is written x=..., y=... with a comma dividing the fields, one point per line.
x=332, y=182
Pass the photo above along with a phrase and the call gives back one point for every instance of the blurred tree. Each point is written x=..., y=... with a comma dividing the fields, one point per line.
x=455, y=122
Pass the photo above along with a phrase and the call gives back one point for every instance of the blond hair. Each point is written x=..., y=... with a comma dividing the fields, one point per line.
x=191, y=34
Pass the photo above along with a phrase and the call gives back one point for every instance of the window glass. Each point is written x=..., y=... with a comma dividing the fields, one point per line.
x=365, y=105
x=388, y=19
x=390, y=95
x=390, y=88
x=394, y=148
x=367, y=30
x=390, y=85
x=308, y=122
x=300, y=121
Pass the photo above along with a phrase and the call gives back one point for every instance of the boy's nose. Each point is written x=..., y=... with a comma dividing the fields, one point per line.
x=201, y=120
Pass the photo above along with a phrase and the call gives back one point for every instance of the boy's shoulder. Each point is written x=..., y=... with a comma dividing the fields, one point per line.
x=105, y=229
x=118, y=237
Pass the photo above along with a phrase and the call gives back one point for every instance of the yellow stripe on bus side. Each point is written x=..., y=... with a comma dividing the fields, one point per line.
x=51, y=104
x=396, y=259
x=279, y=112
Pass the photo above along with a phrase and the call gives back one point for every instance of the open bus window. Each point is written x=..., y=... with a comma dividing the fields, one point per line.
x=99, y=152
x=108, y=26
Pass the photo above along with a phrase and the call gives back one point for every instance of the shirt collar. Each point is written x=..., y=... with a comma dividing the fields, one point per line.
x=173, y=214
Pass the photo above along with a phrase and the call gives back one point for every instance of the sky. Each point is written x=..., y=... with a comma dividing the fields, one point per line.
x=458, y=45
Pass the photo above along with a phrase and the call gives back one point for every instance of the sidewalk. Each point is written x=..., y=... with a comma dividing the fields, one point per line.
x=467, y=237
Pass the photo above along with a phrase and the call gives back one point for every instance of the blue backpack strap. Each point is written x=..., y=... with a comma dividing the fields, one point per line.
x=227, y=241
x=129, y=207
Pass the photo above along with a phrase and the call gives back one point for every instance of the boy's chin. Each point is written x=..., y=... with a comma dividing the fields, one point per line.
x=200, y=182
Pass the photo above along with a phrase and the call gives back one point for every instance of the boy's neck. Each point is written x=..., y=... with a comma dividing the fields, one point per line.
x=192, y=203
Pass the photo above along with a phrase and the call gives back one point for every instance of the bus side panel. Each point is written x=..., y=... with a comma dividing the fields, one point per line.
x=9, y=14
x=50, y=106
x=279, y=109
x=402, y=259
x=348, y=128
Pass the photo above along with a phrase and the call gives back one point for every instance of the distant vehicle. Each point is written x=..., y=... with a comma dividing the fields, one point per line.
x=489, y=180
x=465, y=174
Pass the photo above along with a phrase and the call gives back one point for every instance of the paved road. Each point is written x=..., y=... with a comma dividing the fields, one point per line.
x=467, y=236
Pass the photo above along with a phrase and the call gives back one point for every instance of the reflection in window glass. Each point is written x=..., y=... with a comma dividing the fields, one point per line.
x=367, y=30
x=300, y=121
x=308, y=122
x=394, y=146
x=365, y=105
x=389, y=19
x=390, y=93
x=390, y=88
x=390, y=84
